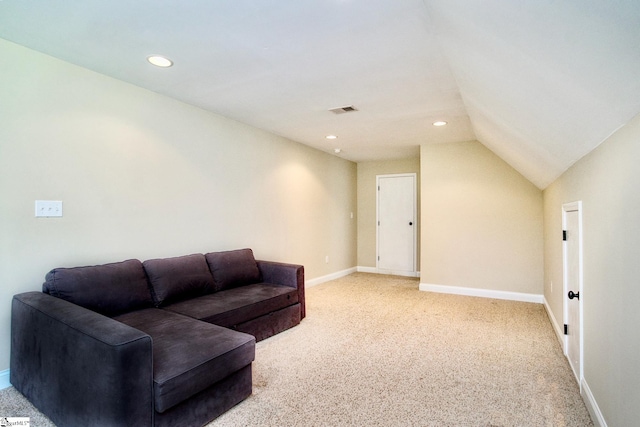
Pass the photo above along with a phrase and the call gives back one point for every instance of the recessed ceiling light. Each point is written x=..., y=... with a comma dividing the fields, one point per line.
x=160, y=61
x=337, y=150
x=439, y=123
x=331, y=137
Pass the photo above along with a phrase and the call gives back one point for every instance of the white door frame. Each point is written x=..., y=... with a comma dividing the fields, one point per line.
x=570, y=207
x=413, y=273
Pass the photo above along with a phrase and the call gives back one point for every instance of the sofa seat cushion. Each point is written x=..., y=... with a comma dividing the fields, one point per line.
x=188, y=355
x=233, y=306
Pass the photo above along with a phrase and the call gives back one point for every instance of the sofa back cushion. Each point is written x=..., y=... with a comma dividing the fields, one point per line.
x=109, y=289
x=231, y=269
x=179, y=278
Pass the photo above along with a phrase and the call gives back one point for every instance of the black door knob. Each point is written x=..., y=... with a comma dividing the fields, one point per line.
x=572, y=295
x=410, y=223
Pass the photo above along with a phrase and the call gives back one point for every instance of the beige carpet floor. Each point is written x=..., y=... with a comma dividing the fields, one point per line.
x=375, y=351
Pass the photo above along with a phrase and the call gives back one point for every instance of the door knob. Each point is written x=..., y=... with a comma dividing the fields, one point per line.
x=571, y=295
x=410, y=222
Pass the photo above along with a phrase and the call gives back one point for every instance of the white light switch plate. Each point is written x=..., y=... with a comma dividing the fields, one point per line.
x=48, y=208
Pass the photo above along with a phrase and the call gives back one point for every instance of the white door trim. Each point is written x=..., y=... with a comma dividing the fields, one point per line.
x=571, y=207
x=415, y=221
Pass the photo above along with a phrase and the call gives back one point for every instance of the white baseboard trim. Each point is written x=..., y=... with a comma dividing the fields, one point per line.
x=375, y=270
x=587, y=396
x=559, y=330
x=483, y=293
x=328, y=277
x=592, y=406
x=4, y=379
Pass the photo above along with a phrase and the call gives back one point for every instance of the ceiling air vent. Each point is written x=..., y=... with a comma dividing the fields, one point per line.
x=342, y=110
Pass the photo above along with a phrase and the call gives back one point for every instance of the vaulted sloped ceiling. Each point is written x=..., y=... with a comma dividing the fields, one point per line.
x=539, y=82
x=544, y=82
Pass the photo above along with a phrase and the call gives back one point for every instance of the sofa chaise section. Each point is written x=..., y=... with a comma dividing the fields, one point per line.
x=190, y=356
x=79, y=367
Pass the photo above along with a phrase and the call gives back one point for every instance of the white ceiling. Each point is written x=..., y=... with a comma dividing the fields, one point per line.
x=539, y=82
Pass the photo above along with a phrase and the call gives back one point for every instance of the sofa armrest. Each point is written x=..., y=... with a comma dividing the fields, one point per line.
x=79, y=367
x=287, y=275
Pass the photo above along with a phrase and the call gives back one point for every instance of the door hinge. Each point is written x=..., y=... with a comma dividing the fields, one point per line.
x=564, y=235
x=566, y=329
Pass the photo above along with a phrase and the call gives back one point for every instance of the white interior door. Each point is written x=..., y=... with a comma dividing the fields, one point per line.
x=397, y=224
x=573, y=294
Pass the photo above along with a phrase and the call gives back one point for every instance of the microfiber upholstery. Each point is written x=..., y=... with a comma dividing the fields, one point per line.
x=237, y=305
x=160, y=343
x=179, y=278
x=108, y=289
x=231, y=269
x=188, y=355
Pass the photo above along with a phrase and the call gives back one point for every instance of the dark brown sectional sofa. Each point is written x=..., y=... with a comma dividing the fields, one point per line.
x=164, y=342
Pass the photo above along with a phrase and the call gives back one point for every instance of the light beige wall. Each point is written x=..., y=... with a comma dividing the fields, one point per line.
x=367, y=172
x=144, y=176
x=481, y=221
x=607, y=181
